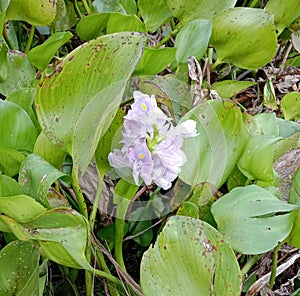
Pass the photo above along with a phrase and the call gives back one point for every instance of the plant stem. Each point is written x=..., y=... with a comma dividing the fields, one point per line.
x=109, y=277
x=101, y=261
x=78, y=192
x=96, y=201
x=249, y=264
x=78, y=12
x=7, y=40
x=119, y=231
x=168, y=37
x=86, y=7
x=274, y=265
x=30, y=39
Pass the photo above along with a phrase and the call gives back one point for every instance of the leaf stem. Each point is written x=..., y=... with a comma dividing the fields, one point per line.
x=274, y=265
x=168, y=37
x=7, y=40
x=96, y=201
x=101, y=261
x=249, y=264
x=119, y=231
x=86, y=7
x=30, y=39
x=76, y=187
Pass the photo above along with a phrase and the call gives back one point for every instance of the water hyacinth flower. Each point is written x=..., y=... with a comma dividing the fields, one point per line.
x=151, y=144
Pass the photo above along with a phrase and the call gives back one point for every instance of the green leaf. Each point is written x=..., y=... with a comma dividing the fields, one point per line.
x=154, y=13
x=170, y=90
x=34, y=12
x=3, y=59
x=105, y=144
x=10, y=161
x=253, y=220
x=188, y=10
x=192, y=40
x=40, y=56
x=118, y=22
x=22, y=208
x=96, y=25
x=189, y=255
x=229, y=88
x=212, y=155
x=24, y=97
x=285, y=12
x=154, y=60
x=290, y=105
x=108, y=6
x=269, y=95
x=92, y=26
x=296, y=40
x=9, y=186
x=49, y=151
x=3, y=7
x=189, y=209
x=250, y=50
x=256, y=162
x=19, y=274
x=19, y=133
x=62, y=234
x=65, y=17
x=36, y=176
x=92, y=70
x=267, y=123
x=20, y=72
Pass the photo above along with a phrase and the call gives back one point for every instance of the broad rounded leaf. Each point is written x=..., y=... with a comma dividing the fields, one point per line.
x=92, y=26
x=212, y=155
x=192, y=40
x=245, y=37
x=40, y=56
x=34, y=12
x=253, y=220
x=154, y=13
x=62, y=234
x=256, y=162
x=19, y=274
x=16, y=128
x=22, y=208
x=10, y=161
x=290, y=105
x=36, y=176
x=96, y=25
x=188, y=10
x=9, y=186
x=20, y=72
x=229, y=88
x=82, y=75
x=189, y=255
x=285, y=12
x=154, y=60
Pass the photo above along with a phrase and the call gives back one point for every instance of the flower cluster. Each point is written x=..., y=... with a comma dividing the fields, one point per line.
x=151, y=144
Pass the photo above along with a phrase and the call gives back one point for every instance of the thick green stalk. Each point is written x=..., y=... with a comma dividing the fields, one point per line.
x=168, y=37
x=96, y=201
x=249, y=264
x=77, y=190
x=274, y=265
x=101, y=261
x=119, y=231
x=30, y=39
x=124, y=193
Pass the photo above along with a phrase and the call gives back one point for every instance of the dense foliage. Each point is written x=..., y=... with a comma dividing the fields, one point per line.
x=148, y=147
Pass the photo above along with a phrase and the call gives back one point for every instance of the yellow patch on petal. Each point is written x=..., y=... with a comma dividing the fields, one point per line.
x=141, y=155
x=144, y=106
